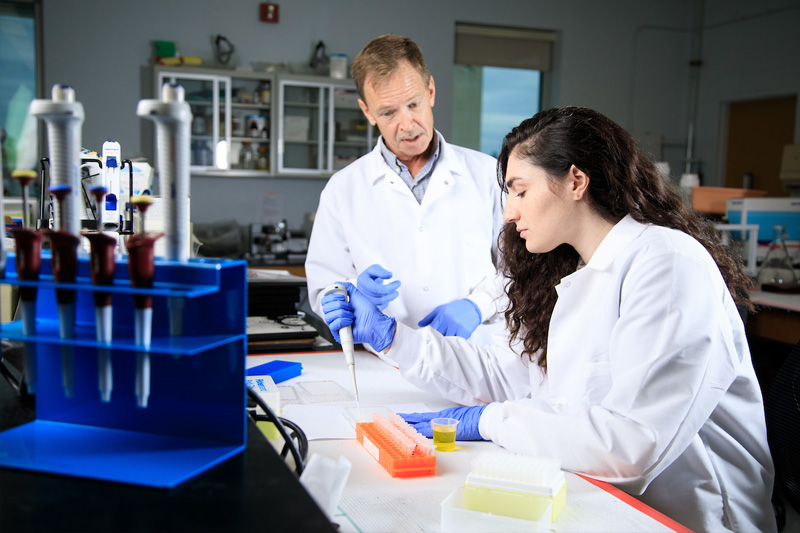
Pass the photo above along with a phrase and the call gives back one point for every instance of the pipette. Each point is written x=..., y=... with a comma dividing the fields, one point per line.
x=64, y=118
x=346, y=336
x=102, y=267
x=141, y=269
x=173, y=118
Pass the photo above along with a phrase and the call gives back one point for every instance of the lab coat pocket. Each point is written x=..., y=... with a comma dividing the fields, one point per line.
x=597, y=376
x=585, y=381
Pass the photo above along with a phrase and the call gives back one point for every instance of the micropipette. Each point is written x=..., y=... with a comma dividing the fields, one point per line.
x=346, y=336
x=173, y=118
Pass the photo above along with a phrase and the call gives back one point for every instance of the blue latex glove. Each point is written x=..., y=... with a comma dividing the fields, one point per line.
x=368, y=323
x=468, y=419
x=459, y=318
x=370, y=283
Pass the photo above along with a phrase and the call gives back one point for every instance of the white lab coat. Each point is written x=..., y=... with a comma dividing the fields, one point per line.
x=441, y=250
x=649, y=384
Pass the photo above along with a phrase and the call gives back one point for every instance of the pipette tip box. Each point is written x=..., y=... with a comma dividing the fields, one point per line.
x=279, y=370
x=457, y=519
x=509, y=486
x=397, y=447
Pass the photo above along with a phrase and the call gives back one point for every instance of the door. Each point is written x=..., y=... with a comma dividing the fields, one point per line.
x=757, y=132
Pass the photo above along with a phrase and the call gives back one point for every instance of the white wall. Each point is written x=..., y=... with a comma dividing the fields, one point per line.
x=625, y=58
x=751, y=51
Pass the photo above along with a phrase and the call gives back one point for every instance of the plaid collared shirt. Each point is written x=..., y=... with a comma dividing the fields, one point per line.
x=419, y=185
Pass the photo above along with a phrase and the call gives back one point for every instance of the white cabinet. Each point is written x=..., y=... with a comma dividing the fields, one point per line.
x=251, y=124
x=320, y=126
x=209, y=97
x=232, y=116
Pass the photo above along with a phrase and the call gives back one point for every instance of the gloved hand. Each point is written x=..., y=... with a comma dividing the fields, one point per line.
x=459, y=318
x=368, y=323
x=468, y=419
x=370, y=283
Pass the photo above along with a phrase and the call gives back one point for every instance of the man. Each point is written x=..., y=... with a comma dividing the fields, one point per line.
x=415, y=208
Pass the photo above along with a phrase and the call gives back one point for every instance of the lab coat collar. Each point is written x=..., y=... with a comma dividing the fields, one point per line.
x=450, y=162
x=622, y=234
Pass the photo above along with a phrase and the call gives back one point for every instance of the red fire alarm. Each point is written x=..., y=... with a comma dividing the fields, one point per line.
x=269, y=12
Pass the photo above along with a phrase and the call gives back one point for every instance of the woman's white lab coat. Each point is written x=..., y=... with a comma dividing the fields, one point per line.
x=649, y=383
x=441, y=250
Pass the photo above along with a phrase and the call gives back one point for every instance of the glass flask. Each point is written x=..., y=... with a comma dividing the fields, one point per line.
x=777, y=271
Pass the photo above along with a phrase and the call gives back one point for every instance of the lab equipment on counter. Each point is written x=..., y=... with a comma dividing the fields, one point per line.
x=64, y=246
x=110, y=438
x=776, y=273
x=141, y=268
x=64, y=118
x=346, y=337
x=278, y=370
x=173, y=118
x=444, y=433
x=766, y=212
x=505, y=491
x=102, y=267
x=397, y=447
x=109, y=212
x=28, y=261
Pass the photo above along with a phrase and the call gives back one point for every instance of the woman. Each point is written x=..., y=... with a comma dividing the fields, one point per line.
x=634, y=367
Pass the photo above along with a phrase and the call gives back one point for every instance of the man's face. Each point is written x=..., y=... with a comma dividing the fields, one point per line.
x=402, y=108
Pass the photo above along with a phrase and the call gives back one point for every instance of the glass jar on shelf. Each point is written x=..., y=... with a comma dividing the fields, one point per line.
x=262, y=161
x=776, y=273
x=247, y=157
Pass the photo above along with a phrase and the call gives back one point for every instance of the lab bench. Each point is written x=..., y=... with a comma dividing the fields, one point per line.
x=373, y=500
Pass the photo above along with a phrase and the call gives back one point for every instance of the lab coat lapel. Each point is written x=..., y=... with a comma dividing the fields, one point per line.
x=382, y=175
x=445, y=174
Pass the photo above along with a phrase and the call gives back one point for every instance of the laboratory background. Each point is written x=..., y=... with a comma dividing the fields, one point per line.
x=672, y=72
x=708, y=87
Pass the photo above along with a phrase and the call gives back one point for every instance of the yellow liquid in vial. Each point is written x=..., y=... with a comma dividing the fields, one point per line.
x=444, y=439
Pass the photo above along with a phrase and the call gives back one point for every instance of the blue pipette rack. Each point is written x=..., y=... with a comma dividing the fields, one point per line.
x=196, y=415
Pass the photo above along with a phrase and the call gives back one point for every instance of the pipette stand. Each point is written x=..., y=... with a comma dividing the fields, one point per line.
x=195, y=416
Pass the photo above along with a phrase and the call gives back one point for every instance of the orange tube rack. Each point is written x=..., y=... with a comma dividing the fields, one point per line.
x=394, y=460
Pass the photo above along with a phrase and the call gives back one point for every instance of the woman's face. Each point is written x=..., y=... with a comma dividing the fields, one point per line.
x=542, y=209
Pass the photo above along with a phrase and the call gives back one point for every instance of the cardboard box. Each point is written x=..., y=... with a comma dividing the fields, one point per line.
x=712, y=200
x=766, y=212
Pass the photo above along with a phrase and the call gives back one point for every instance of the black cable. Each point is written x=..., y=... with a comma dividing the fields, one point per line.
x=299, y=459
x=299, y=434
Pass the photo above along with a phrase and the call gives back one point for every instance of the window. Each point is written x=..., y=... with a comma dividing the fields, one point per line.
x=18, y=87
x=498, y=82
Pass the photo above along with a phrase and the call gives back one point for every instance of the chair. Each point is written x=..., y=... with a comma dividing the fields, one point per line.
x=783, y=433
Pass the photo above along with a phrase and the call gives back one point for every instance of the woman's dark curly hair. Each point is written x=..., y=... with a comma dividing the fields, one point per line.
x=622, y=181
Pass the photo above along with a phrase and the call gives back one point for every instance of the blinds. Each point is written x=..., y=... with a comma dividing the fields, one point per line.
x=503, y=47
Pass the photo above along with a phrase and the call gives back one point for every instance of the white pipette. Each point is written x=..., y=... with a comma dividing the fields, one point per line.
x=346, y=336
x=64, y=118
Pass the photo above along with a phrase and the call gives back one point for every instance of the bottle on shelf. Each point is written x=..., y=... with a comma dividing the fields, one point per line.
x=262, y=162
x=263, y=92
x=777, y=271
x=247, y=157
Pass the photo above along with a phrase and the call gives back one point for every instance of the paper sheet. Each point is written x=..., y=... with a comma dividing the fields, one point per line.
x=331, y=421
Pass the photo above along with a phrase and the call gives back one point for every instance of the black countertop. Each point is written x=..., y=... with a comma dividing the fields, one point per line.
x=252, y=491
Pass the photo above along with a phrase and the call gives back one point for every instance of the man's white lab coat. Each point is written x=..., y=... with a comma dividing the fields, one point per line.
x=649, y=383
x=441, y=250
